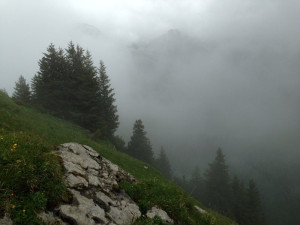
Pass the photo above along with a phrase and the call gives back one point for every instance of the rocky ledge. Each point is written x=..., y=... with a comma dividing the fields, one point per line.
x=93, y=184
x=95, y=196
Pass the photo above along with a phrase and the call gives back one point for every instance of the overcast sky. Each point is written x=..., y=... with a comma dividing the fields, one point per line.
x=200, y=74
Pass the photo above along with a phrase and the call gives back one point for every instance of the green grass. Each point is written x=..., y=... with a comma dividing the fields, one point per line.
x=36, y=133
x=31, y=177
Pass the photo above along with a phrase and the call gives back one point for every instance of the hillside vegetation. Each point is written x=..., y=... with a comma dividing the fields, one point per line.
x=31, y=176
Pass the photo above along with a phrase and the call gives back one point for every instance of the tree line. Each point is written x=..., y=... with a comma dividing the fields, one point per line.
x=229, y=196
x=69, y=86
x=215, y=188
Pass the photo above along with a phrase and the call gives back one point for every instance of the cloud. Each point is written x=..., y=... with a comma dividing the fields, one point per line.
x=194, y=71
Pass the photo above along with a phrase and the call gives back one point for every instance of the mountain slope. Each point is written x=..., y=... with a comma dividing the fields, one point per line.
x=37, y=133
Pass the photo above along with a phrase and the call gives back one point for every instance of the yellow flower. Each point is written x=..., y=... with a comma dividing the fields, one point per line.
x=1, y=137
x=23, y=210
x=13, y=206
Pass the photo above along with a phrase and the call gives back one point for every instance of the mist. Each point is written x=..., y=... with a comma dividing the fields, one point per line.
x=200, y=74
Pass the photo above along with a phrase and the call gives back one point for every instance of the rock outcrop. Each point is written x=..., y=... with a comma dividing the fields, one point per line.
x=202, y=211
x=93, y=183
x=94, y=194
x=159, y=213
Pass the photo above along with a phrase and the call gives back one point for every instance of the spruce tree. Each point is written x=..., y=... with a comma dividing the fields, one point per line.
x=22, y=92
x=163, y=164
x=67, y=86
x=238, y=201
x=109, y=117
x=49, y=85
x=196, y=184
x=139, y=145
x=254, y=209
x=217, y=185
x=82, y=88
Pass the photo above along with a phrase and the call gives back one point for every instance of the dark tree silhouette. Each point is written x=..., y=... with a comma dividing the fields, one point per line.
x=217, y=185
x=139, y=145
x=163, y=164
x=110, y=119
x=22, y=92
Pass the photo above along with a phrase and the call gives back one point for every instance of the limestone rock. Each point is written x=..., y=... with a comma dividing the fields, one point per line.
x=50, y=218
x=77, y=182
x=74, y=168
x=202, y=211
x=160, y=213
x=93, y=183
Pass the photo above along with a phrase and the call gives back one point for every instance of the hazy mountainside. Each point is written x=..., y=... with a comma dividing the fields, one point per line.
x=31, y=134
x=226, y=95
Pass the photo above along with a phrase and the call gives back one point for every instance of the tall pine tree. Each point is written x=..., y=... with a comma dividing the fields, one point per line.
x=217, y=185
x=109, y=118
x=22, y=92
x=82, y=87
x=163, y=164
x=49, y=85
x=238, y=201
x=254, y=209
x=196, y=184
x=139, y=145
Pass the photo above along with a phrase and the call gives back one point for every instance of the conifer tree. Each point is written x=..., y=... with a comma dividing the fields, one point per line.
x=109, y=117
x=22, y=92
x=163, y=164
x=196, y=184
x=217, y=185
x=67, y=86
x=139, y=145
x=82, y=87
x=49, y=85
x=254, y=209
x=238, y=201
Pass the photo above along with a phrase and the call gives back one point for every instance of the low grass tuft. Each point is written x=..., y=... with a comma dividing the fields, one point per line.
x=167, y=196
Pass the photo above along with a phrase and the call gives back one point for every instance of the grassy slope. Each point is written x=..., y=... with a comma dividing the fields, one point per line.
x=153, y=189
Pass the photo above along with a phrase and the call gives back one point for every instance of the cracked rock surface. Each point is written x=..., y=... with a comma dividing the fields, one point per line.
x=92, y=182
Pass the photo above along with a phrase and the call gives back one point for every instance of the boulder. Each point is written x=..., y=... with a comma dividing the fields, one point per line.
x=159, y=213
x=92, y=181
x=202, y=211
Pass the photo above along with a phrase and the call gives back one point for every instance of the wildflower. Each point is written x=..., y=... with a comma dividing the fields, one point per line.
x=1, y=138
x=13, y=147
x=11, y=194
x=23, y=210
x=13, y=206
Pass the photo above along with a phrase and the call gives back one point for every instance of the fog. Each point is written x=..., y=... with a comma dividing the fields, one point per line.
x=200, y=74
